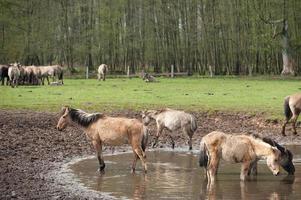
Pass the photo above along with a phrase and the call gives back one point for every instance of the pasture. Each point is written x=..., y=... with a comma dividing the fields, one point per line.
x=230, y=94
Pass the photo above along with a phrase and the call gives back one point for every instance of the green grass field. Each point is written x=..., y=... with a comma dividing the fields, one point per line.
x=264, y=95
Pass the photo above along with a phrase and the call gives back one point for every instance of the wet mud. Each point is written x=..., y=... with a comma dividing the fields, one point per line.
x=31, y=148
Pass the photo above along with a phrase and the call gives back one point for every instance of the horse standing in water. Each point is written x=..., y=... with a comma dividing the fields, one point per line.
x=102, y=71
x=285, y=160
x=292, y=109
x=172, y=120
x=236, y=149
x=102, y=129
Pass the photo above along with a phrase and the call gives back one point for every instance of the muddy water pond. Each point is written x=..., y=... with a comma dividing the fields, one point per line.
x=176, y=175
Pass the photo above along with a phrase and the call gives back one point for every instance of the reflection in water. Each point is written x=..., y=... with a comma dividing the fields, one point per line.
x=248, y=190
x=176, y=175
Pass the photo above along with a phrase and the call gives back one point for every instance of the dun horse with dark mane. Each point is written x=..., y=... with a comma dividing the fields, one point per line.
x=285, y=160
x=102, y=129
x=237, y=149
x=292, y=109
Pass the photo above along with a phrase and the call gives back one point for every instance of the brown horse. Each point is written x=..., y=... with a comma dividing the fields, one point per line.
x=4, y=74
x=102, y=129
x=292, y=109
x=237, y=149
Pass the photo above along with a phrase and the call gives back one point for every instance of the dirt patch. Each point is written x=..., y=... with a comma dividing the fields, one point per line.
x=31, y=147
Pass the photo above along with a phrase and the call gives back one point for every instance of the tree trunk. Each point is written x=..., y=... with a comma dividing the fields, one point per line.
x=288, y=61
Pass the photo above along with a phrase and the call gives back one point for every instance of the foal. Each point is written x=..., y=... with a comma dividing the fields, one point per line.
x=114, y=131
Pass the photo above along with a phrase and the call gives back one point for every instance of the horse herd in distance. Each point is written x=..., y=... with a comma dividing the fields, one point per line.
x=17, y=74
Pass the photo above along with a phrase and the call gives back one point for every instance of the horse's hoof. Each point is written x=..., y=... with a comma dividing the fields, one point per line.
x=101, y=171
x=133, y=171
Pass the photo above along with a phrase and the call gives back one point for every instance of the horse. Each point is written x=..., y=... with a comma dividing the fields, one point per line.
x=32, y=75
x=14, y=73
x=58, y=73
x=148, y=78
x=243, y=149
x=46, y=71
x=4, y=74
x=285, y=160
x=171, y=120
x=292, y=109
x=114, y=131
x=102, y=71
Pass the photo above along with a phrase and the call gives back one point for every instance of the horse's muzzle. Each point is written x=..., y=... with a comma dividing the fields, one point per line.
x=58, y=128
x=276, y=174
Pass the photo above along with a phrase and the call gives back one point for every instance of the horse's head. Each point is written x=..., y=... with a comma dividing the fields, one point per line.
x=286, y=161
x=286, y=156
x=64, y=119
x=147, y=116
x=273, y=160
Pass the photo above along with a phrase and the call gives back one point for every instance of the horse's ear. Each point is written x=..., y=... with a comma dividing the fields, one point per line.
x=65, y=109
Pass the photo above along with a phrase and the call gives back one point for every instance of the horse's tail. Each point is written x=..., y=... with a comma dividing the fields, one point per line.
x=144, y=138
x=193, y=124
x=204, y=155
x=287, y=109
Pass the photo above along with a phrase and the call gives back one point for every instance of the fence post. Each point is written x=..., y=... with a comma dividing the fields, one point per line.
x=172, y=71
x=87, y=72
x=128, y=72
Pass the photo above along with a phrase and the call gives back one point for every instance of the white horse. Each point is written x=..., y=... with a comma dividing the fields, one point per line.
x=171, y=120
x=13, y=74
x=102, y=71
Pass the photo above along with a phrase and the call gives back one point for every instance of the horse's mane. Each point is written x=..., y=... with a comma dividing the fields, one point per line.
x=163, y=110
x=83, y=118
x=271, y=142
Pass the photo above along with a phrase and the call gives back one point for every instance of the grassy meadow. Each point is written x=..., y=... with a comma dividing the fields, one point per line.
x=252, y=95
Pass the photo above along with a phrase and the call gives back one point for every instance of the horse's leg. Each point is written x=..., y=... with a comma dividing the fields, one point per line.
x=98, y=76
x=134, y=162
x=253, y=168
x=98, y=147
x=138, y=150
x=172, y=141
x=213, y=166
x=244, y=170
x=48, y=80
x=159, y=131
x=190, y=134
x=294, y=120
x=283, y=127
x=104, y=77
